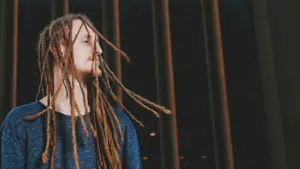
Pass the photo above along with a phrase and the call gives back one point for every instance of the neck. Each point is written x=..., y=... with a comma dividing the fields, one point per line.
x=62, y=102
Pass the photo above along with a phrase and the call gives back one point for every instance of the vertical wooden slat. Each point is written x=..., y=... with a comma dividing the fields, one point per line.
x=111, y=30
x=104, y=25
x=66, y=7
x=274, y=122
x=222, y=84
x=155, y=23
x=116, y=35
x=14, y=55
x=165, y=84
x=59, y=8
x=3, y=59
x=170, y=80
x=53, y=9
x=204, y=19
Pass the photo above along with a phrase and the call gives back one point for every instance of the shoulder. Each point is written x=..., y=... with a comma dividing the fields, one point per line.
x=16, y=115
x=122, y=117
x=124, y=120
x=13, y=131
x=13, y=121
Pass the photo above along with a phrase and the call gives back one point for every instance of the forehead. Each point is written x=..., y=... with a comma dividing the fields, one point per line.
x=76, y=25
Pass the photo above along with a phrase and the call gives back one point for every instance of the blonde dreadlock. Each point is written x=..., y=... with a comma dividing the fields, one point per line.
x=102, y=120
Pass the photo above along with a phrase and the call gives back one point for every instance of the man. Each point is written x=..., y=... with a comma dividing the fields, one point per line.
x=73, y=124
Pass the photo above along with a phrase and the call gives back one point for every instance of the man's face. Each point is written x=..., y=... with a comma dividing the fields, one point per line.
x=83, y=50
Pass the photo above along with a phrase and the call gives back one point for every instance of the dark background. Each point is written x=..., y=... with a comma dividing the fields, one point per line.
x=191, y=87
x=260, y=45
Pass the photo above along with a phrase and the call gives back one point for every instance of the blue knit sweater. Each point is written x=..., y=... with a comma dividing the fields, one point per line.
x=23, y=142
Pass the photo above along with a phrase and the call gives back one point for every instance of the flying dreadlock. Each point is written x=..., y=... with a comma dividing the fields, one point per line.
x=102, y=120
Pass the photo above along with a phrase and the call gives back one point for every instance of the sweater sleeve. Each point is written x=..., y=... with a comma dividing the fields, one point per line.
x=12, y=145
x=132, y=157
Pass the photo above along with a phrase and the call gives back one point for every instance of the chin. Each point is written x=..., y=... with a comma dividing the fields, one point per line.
x=96, y=73
x=90, y=73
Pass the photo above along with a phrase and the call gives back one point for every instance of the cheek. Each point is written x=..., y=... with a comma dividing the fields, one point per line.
x=80, y=56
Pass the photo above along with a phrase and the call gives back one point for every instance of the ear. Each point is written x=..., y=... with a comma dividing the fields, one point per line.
x=52, y=49
x=62, y=49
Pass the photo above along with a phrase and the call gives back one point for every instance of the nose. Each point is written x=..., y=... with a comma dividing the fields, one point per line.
x=98, y=48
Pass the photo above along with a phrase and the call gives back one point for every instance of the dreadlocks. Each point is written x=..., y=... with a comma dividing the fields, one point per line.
x=102, y=120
